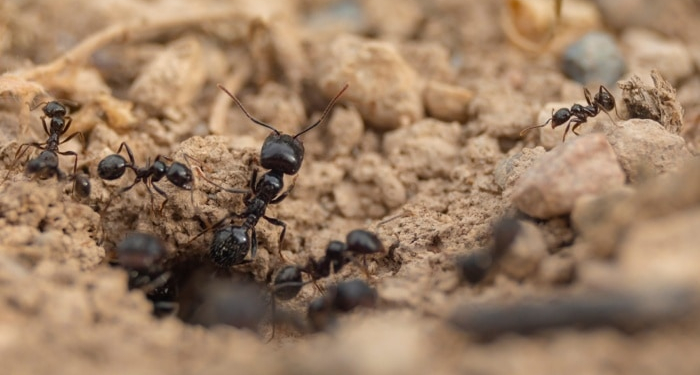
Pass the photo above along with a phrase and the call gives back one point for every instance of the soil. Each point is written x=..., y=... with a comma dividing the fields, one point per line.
x=424, y=149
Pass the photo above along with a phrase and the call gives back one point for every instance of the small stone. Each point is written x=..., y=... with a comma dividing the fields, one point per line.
x=174, y=77
x=645, y=148
x=585, y=165
x=523, y=256
x=345, y=131
x=595, y=58
x=557, y=269
x=383, y=86
x=447, y=102
x=509, y=170
x=647, y=50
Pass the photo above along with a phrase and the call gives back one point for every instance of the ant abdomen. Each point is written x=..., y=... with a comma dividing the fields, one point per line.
x=112, y=167
x=229, y=246
x=43, y=166
x=360, y=241
x=288, y=283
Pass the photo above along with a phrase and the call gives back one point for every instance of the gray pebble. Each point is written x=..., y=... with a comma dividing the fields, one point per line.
x=595, y=58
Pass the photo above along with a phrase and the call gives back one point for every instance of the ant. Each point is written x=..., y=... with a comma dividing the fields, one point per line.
x=602, y=101
x=141, y=255
x=114, y=166
x=288, y=282
x=282, y=154
x=45, y=165
x=340, y=298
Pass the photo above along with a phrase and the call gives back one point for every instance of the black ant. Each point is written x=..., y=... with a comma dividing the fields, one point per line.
x=340, y=298
x=602, y=101
x=45, y=165
x=114, y=166
x=282, y=154
x=288, y=281
x=141, y=255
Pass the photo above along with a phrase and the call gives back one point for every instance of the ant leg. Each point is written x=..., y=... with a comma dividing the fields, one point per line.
x=228, y=190
x=128, y=151
x=253, y=243
x=75, y=160
x=576, y=125
x=79, y=134
x=212, y=227
x=253, y=180
x=20, y=151
x=161, y=192
x=67, y=125
x=281, y=197
x=282, y=224
x=46, y=127
x=563, y=138
x=587, y=94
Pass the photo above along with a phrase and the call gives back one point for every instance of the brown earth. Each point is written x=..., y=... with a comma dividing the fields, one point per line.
x=423, y=149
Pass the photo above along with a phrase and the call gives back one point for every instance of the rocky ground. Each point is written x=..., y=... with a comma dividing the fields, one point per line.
x=504, y=252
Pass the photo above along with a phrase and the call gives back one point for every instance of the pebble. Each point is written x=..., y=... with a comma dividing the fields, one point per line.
x=523, y=256
x=509, y=170
x=595, y=58
x=447, y=102
x=647, y=50
x=383, y=86
x=645, y=148
x=585, y=165
x=173, y=78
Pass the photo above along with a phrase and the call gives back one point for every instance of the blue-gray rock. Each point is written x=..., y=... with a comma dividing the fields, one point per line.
x=595, y=58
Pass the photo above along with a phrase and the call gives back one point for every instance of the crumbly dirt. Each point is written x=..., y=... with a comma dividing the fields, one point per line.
x=424, y=149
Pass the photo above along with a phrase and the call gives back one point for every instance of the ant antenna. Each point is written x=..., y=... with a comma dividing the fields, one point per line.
x=325, y=111
x=240, y=105
x=536, y=126
x=33, y=107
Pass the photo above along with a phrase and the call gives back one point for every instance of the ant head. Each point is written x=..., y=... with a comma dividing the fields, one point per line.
x=604, y=99
x=560, y=117
x=44, y=166
x=112, y=167
x=54, y=109
x=180, y=176
x=140, y=251
x=229, y=246
x=288, y=283
x=363, y=242
x=282, y=152
x=81, y=185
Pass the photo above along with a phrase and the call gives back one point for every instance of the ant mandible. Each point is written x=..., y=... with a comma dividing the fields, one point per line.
x=46, y=164
x=288, y=282
x=602, y=101
x=114, y=166
x=282, y=154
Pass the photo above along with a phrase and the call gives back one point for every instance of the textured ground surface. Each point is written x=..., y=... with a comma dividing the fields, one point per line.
x=423, y=149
